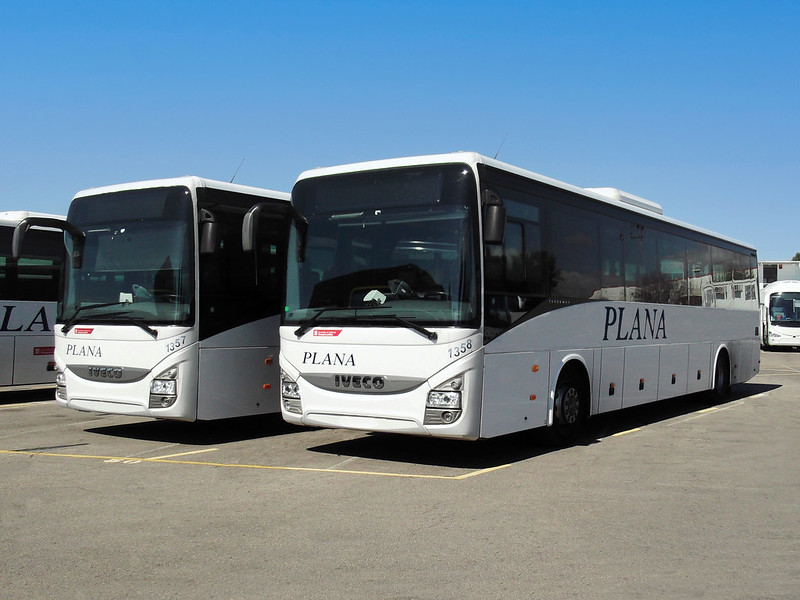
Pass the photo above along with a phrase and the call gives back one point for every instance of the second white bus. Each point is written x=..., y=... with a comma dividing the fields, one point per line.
x=458, y=296
x=165, y=311
x=780, y=314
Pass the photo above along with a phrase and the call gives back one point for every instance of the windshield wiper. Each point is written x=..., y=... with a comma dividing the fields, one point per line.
x=138, y=322
x=431, y=335
x=309, y=324
x=73, y=320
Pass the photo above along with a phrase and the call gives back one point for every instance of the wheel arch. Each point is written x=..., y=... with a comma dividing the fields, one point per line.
x=722, y=351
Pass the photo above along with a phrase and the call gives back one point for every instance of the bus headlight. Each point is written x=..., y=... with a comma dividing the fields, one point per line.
x=61, y=385
x=290, y=395
x=440, y=399
x=164, y=389
x=444, y=403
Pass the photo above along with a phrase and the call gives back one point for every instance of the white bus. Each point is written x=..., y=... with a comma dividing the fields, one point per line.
x=770, y=271
x=28, y=292
x=165, y=311
x=780, y=314
x=458, y=296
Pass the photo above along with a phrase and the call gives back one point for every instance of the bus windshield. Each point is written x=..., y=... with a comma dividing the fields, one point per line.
x=784, y=309
x=137, y=263
x=386, y=248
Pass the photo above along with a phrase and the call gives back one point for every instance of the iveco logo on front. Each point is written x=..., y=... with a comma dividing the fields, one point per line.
x=359, y=382
x=106, y=372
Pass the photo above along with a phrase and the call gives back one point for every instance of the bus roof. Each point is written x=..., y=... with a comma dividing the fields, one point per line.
x=11, y=218
x=611, y=196
x=784, y=285
x=190, y=181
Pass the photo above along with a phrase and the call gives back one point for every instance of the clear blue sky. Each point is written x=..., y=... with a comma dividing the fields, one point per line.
x=693, y=104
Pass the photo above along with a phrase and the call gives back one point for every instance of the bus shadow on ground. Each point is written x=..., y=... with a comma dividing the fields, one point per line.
x=480, y=454
x=516, y=447
x=13, y=396
x=201, y=433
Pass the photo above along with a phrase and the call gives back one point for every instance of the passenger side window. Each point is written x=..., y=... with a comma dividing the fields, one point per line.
x=575, y=242
x=514, y=270
x=505, y=268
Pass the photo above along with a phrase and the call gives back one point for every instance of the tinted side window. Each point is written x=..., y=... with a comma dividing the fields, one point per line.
x=575, y=243
x=238, y=287
x=36, y=275
x=515, y=279
x=672, y=261
x=770, y=273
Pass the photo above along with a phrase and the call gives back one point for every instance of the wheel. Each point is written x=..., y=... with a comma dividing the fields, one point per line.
x=571, y=400
x=722, y=378
x=568, y=404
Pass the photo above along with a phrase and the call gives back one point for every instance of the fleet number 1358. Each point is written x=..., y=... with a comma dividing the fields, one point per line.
x=460, y=349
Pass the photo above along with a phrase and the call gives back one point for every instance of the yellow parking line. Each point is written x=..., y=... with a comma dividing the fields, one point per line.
x=619, y=433
x=184, y=453
x=21, y=404
x=480, y=472
x=262, y=467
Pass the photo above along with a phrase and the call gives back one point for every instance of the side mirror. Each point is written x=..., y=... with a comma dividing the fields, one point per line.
x=302, y=234
x=209, y=232
x=250, y=227
x=77, y=234
x=494, y=218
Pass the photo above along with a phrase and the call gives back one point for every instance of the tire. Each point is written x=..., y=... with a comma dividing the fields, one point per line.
x=570, y=408
x=722, y=378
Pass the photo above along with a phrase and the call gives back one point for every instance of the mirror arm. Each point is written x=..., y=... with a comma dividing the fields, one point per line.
x=76, y=233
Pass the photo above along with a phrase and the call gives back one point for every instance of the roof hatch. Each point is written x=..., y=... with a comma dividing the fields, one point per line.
x=627, y=198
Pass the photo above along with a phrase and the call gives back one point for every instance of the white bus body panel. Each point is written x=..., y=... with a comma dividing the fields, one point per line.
x=6, y=360
x=784, y=337
x=640, y=383
x=635, y=363
x=388, y=353
x=515, y=394
x=623, y=369
x=27, y=342
x=140, y=357
x=239, y=373
x=608, y=394
x=221, y=377
x=673, y=377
